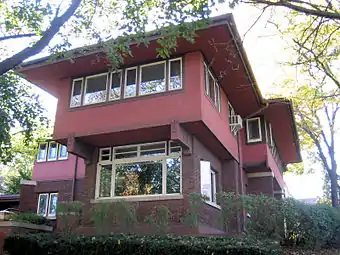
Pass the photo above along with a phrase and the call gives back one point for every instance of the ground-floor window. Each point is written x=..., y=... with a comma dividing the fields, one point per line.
x=208, y=181
x=139, y=170
x=47, y=204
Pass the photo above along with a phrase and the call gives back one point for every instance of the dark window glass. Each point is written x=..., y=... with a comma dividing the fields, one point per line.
x=175, y=75
x=131, y=81
x=253, y=129
x=115, y=85
x=95, y=89
x=152, y=79
x=76, y=93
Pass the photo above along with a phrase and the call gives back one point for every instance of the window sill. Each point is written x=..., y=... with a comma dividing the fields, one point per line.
x=212, y=204
x=138, y=198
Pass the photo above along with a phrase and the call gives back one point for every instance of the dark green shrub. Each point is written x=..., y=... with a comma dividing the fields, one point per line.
x=31, y=218
x=42, y=244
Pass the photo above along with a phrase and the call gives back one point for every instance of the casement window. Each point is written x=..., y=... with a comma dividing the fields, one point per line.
x=47, y=204
x=95, y=89
x=208, y=181
x=152, y=78
x=254, y=133
x=134, y=81
x=212, y=89
x=139, y=170
x=51, y=151
x=62, y=152
x=175, y=74
x=130, y=82
x=42, y=153
x=77, y=88
x=115, y=81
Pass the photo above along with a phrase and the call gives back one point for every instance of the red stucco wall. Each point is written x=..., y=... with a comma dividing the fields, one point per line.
x=58, y=170
x=253, y=153
x=273, y=166
x=134, y=113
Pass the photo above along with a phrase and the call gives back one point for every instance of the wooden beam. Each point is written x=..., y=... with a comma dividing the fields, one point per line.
x=180, y=135
x=79, y=148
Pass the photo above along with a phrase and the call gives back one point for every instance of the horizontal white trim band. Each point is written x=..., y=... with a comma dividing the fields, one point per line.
x=28, y=182
x=260, y=174
x=138, y=198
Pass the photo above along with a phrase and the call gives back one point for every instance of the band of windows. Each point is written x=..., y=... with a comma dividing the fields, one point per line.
x=51, y=151
x=139, y=170
x=135, y=81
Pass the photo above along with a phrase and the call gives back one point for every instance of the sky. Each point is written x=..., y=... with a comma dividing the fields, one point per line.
x=266, y=52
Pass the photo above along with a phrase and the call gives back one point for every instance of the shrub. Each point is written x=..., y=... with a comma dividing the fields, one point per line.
x=53, y=244
x=66, y=210
x=31, y=218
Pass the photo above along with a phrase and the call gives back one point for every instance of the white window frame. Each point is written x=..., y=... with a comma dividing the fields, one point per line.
x=42, y=160
x=125, y=81
x=85, y=88
x=249, y=140
x=140, y=77
x=207, y=183
x=169, y=72
x=101, y=154
x=213, y=186
x=49, y=205
x=217, y=95
x=48, y=152
x=81, y=92
x=138, y=159
x=46, y=206
x=121, y=87
x=58, y=154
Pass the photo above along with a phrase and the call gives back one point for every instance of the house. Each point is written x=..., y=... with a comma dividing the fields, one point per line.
x=156, y=130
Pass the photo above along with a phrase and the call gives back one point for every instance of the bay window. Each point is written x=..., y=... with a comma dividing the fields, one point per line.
x=139, y=170
x=52, y=151
x=47, y=204
x=130, y=82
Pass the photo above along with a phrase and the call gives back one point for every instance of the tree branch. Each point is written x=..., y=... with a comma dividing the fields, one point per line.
x=299, y=8
x=56, y=24
x=16, y=36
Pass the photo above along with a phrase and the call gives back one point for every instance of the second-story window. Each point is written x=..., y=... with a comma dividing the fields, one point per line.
x=42, y=152
x=152, y=78
x=51, y=151
x=95, y=89
x=127, y=83
x=254, y=133
x=212, y=89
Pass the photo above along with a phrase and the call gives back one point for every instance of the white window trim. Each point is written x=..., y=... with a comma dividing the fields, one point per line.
x=214, y=183
x=140, y=77
x=260, y=130
x=85, y=88
x=217, y=100
x=42, y=160
x=46, y=206
x=49, y=204
x=169, y=73
x=58, y=153
x=48, y=152
x=139, y=158
x=120, y=86
x=271, y=141
x=101, y=154
x=81, y=92
x=125, y=81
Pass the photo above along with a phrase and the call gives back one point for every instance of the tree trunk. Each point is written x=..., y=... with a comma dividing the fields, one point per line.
x=334, y=188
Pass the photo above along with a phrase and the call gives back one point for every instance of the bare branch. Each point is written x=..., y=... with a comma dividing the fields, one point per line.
x=16, y=36
x=56, y=24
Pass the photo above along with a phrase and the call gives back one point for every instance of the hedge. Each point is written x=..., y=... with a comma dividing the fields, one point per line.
x=56, y=244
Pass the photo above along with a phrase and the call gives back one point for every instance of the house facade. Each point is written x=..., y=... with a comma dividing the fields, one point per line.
x=155, y=130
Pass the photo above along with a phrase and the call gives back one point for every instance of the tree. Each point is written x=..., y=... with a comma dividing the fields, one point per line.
x=316, y=118
x=21, y=165
x=42, y=21
x=19, y=107
x=323, y=9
